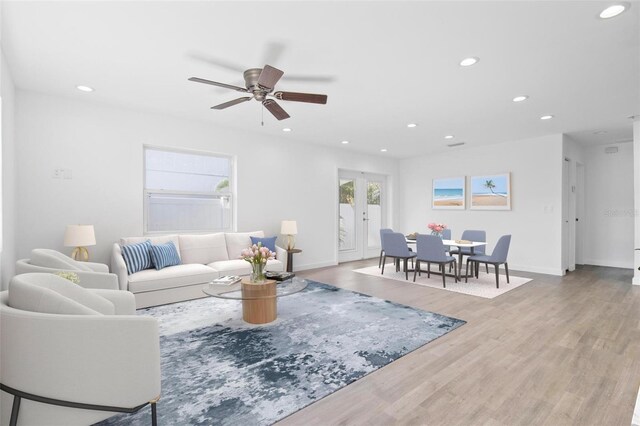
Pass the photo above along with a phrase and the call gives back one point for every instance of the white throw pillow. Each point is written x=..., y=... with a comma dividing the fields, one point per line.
x=51, y=294
x=203, y=249
x=55, y=260
x=154, y=240
x=238, y=241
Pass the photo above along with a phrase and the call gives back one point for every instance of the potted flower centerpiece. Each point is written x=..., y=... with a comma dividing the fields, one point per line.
x=257, y=256
x=437, y=228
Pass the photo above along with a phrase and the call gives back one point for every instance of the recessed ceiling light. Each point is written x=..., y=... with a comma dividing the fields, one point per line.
x=546, y=117
x=613, y=10
x=383, y=150
x=520, y=98
x=411, y=125
x=467, y=62
x=85, y=88
x=345, y=142
x=286, y=129
x=449, y=137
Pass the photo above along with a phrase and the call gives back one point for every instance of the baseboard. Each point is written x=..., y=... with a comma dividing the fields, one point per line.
x=537, y=269
x=610, y=263
x=313, y=265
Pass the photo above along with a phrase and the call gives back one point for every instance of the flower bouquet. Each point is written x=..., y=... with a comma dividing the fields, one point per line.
x=437, y=228
x=257, y=256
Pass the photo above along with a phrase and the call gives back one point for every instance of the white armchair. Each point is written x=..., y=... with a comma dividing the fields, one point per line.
x=91, y=275
x=62, y=362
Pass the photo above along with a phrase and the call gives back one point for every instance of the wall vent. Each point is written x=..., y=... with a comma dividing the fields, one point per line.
x=611, y=150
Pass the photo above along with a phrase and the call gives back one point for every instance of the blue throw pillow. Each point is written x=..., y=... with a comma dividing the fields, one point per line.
x=136, y=256
x=164, y=255
x=269, y=242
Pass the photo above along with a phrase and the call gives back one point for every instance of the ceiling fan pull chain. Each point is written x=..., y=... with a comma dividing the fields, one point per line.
x=262, y=117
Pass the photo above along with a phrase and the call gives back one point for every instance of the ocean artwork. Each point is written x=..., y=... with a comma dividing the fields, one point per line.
x=491, y=192
x=448, y=193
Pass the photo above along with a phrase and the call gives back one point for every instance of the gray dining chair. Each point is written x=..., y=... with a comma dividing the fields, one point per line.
x=382, y=231
x=471, y=235
x=430, y=249
x=497, y=258
x=395, y=246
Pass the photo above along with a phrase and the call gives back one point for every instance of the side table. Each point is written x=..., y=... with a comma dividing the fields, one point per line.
x=290, y=254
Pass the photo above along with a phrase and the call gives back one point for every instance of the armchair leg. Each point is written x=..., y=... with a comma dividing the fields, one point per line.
x=466, y=275
x=455, y=274
x=444, y=276
x=154, y=415
x=384, y=260
x=380, y=261
x=428, y=270
x=486, y=265
x=415, y=270
x=497, y=276
x=506, y=269
x=15, y=409
x=406, y=270
x=477, y=269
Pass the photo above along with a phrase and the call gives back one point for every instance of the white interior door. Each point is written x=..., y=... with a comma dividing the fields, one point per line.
x=362, y=213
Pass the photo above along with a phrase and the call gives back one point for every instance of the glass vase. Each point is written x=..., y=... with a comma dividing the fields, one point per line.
x=436, y=233
x=257, y=273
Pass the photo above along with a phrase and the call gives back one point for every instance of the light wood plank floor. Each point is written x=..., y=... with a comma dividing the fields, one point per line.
x=556, y=351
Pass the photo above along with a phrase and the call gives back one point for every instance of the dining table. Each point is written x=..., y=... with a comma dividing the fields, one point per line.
x=471, y=245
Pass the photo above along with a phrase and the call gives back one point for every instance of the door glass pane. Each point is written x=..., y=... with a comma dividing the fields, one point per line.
x=374, y=214
x=347, y=228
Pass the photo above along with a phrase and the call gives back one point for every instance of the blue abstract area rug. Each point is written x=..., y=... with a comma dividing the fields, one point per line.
x=217, y=369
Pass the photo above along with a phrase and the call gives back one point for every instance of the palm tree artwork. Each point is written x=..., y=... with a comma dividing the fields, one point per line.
x=490, y=185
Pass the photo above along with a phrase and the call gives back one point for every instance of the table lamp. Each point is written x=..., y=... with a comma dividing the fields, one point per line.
x=289, y=228
x=79, y=236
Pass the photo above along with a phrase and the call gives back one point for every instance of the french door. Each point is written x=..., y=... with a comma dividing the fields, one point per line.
x=362, y=211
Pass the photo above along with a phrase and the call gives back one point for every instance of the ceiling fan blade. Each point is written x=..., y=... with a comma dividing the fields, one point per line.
x=215, y=83
x=310, y=78
x=232, y=103
x=269, y=77
x=310, y=98
x=217, y=62
x=275, y=109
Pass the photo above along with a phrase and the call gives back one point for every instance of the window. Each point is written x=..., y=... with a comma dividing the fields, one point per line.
x=187, y=191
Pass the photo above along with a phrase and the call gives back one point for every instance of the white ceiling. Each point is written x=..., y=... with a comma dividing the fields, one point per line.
x=392, y=63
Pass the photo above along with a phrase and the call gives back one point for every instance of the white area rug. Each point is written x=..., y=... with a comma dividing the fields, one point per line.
x=484, y=286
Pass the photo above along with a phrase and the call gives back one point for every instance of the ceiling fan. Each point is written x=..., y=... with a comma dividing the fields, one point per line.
x=260, y=83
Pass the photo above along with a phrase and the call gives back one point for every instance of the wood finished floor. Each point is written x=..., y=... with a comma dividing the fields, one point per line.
x=556, y=351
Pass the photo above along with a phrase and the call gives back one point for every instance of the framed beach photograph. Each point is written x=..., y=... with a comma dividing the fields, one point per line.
x=491, y=192
x=448, y=193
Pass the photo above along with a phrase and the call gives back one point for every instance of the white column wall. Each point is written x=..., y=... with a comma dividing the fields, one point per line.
x=636, y=181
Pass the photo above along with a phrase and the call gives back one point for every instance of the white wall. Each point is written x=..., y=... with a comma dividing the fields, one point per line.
x=535, y=218
x=610, y=206
x=102, y=145
x=8, y=172
x=572, y=232
x=636, y=179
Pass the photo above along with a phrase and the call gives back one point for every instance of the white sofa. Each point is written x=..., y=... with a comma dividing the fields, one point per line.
x=60, y=341
x=203, y=258
x=91, y=275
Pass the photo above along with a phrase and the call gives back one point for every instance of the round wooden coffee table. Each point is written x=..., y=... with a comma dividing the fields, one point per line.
x=259, y=301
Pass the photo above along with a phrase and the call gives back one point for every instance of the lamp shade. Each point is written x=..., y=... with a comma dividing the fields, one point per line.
x=289, y=227
x=79, y=236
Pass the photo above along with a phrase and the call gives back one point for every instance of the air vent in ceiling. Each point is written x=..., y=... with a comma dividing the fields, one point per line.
x=451, y=145
x=611, y=150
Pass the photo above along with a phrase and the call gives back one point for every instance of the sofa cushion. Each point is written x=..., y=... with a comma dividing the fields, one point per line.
x=242, y=267
x=137, y=257
x=163, y=255
x=203, y=249
x=171, y=277
x=238, y=241
x=55, y=260
x=48, y=293
x=268, y=242
x=161, y=239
